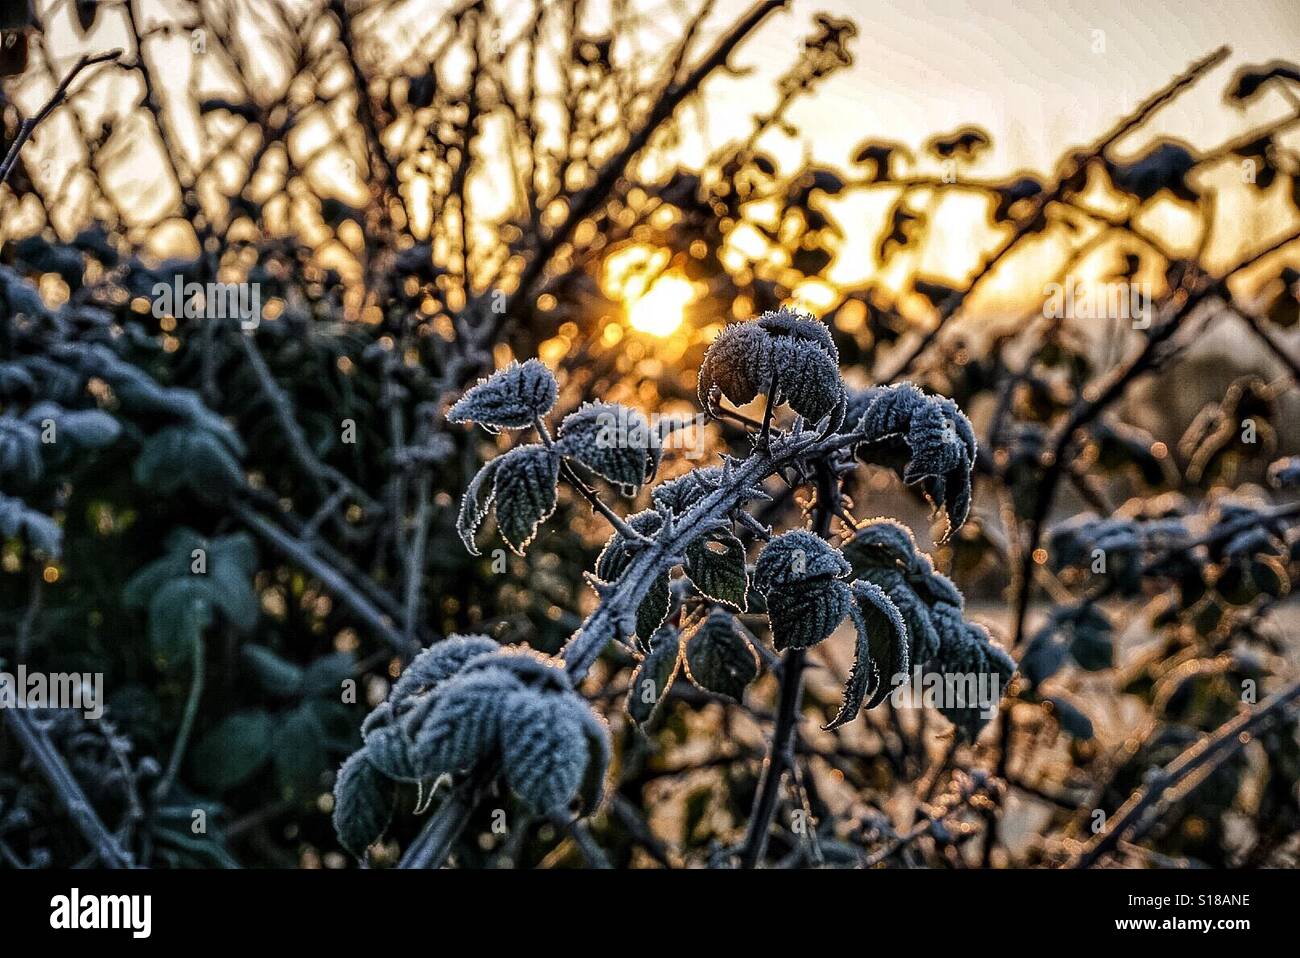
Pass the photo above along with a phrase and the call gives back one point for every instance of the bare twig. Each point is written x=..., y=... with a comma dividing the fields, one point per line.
x=302, y=553
x=60, y=93
x=1146, y=806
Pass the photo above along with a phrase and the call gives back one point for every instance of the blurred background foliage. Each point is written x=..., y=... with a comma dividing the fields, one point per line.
x=421, y=198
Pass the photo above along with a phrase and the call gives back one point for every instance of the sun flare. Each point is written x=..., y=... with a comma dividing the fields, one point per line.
x=662, y=308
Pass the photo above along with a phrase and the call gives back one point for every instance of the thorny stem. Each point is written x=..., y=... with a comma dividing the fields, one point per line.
x=435, y=842
x=925, y=826
x=791, y=693
x=629, y=534
x=36, y=742
x=621, y=600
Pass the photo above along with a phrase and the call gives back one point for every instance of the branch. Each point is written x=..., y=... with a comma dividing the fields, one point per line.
x=1133, y=120
x=787, y=715
x=435, y=842
x=1145, y=807
x=302, y=553
x=584, y=203
x=1085, y=412
x=620, y=600
x=281, y=407
x=36, y=741
x=60, y=94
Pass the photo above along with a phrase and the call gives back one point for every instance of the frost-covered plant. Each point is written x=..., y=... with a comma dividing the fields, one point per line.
x=471, y=710
x=461, y=703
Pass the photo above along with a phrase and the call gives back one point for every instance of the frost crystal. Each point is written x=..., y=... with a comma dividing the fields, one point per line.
x=613, y=441
x=466, y=702
x=927, y=438
x=523, y=489
x=794, y=352
x=511, y=398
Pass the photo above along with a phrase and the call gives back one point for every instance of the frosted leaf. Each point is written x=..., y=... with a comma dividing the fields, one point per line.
x=591, y=791
x=535, y=669
x=510, y=398
x=654, y=608
x=716, y=565
x=718, y=658
x=923, y=640
x=880, y=653
x=961, y=425
x=438, y=663
x=613, y=441
x=523, y=490
x=797, y=575
x=40, y=531
x=796, y=351
x=970, y=650
x=614, y=559
x=787, y=323
x=806, y=613
x=390, y=752
x=544, y=751
x=363, y=804
x=927, y=437
x=888, y=409
x=936, y=587
x=654, y=676
x=881, y=543
x=736, y=365
x=808, y=378
x=797, y=556
x=458, y=726
x=380, y=716
x=948, y=624
x=936, y=447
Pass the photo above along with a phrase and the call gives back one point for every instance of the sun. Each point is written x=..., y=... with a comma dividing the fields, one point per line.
x=661, y=309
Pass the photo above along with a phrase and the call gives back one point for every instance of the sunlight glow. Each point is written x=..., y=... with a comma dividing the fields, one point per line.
x=661, y=309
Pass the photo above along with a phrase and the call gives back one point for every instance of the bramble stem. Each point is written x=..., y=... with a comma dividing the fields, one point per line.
x=573, y=479
x=791, y=694
x=36, y=741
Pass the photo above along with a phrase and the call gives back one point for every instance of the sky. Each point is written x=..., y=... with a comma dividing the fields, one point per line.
x=1039, y=75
